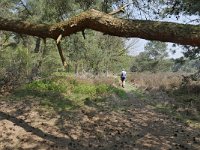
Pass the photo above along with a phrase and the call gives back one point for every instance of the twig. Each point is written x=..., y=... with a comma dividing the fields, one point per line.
x=121, y=9
x=59, y=39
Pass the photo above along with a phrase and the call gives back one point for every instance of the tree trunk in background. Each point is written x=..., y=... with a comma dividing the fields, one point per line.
x=37, y=45
x=106, y=69
x=68, y=68
x=76, y=68
x=36, y=68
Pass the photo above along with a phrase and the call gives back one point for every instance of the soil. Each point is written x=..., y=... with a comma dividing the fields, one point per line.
x=131, y=125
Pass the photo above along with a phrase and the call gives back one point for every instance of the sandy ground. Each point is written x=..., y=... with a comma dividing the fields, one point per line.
x=25, y=125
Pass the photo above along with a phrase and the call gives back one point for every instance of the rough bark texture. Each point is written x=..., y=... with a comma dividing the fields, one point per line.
x=95, y=20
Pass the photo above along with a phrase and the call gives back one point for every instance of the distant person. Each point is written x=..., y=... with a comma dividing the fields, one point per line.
x=123, y=77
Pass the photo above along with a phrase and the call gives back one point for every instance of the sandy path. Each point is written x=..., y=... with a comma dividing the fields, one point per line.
x=132, y=125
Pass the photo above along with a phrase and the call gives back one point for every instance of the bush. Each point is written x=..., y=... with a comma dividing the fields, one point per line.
x=85, y=89
x=102, y=89
x=46, y=85
x=72, y=87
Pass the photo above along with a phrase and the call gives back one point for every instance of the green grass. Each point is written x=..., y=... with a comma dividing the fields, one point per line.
x=119, y=92
x=65, y=93
x=46, y=85
x=85, y=89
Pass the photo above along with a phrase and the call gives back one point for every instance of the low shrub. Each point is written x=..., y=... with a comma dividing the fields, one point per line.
x=85, y=89
x=72, y=88
x=102, y=89
x=46, y=85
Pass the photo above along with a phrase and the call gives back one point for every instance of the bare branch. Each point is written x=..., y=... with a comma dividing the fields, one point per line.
x=61, y=55
x=121, y=9
x=59, y=39
x=26, y=8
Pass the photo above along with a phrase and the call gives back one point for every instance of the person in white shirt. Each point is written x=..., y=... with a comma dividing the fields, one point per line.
x=123, y=77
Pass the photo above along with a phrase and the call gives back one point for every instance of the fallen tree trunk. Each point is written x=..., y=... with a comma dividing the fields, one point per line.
x=107, y=24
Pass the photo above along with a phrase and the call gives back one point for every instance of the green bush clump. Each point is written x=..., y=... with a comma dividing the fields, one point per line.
x=74, y=87
x=102, y=89
x=85, y=89
x=99, y=89
x=46, y=85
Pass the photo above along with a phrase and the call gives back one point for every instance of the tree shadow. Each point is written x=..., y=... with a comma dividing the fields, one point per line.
x=136, y=126
x=129, y=125
x=52, y=99
x=61, y=142
x=181, y=103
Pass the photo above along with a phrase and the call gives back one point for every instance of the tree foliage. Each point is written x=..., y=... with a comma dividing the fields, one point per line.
x=153, y=59
x=97, y=52
x=156, y=50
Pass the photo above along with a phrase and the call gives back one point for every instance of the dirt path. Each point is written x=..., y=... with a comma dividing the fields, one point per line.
x=129, y=124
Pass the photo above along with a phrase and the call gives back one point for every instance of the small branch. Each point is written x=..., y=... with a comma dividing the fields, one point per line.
x=83, y=33
x=59, y=39
x=121, y=9
x=26, y=8
x=194, y=20
x=61, y=55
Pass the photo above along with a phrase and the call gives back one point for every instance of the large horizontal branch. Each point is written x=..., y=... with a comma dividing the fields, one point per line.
x=95, y=20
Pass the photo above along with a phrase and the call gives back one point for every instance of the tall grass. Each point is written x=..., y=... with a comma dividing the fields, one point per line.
x=175, y=83
x=184, y=92
x=156, y=81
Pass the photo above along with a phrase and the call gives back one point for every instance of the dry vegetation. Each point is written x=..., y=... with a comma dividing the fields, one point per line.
x=173, y=92
x=156, y=81
x=165, y=82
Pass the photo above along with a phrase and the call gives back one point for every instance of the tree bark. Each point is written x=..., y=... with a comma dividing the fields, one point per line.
x=92, y=19
x=76, y=68
x=36, y=68
x=37, y=45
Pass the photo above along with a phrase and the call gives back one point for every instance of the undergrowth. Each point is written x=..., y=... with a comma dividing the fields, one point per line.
x=64, y=93
x=184, y=92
